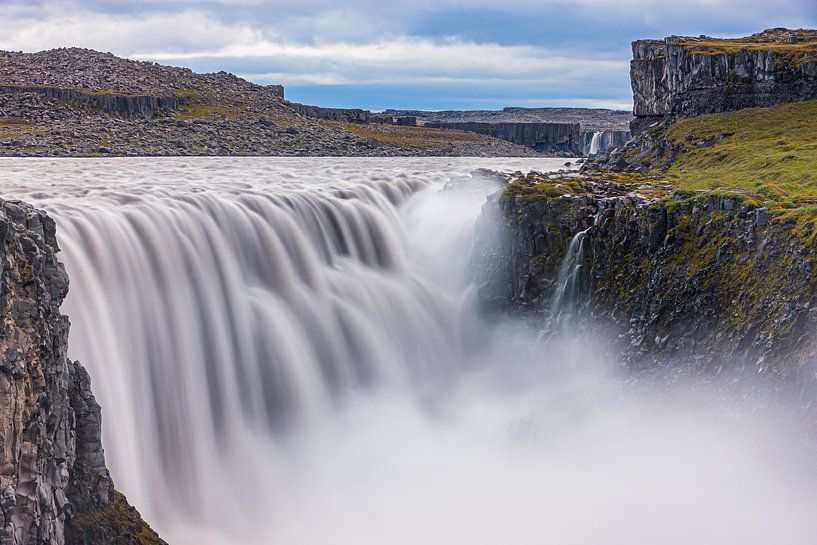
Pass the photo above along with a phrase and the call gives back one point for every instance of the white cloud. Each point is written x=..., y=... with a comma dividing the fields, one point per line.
x=192, y=35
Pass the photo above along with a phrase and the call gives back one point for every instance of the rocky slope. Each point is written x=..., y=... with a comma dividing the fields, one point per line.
x=78, y=102
x=54, y=486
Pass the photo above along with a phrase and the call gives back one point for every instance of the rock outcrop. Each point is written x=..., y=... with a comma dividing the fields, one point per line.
x=683, y=77
x=551, y=138
x=52, y=466
x=701, y=279
x=347, y=115
x=108, y=102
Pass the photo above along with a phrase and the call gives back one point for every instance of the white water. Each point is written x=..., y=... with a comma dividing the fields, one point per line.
x=286, y=353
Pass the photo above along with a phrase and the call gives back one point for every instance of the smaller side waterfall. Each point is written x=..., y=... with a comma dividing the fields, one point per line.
x=570, y=282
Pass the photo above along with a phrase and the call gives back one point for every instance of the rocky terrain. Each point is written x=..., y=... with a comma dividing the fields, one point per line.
x=54, y=485
x=78, y=102
x=692, y=246
x=590, y=119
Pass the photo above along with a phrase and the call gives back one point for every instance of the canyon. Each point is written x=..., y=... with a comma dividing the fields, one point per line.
x=365, y=306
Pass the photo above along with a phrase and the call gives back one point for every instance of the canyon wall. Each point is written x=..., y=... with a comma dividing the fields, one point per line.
x=346, y=115
x=552, y=138
x=683, y=76
x=670, y=78
x=700, y=279
x=54, y=485
x=108, y=102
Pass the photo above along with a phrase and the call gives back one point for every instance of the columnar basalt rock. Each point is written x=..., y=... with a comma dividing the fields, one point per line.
x=683, y=77
x=108, y=102
x=551, y=138
x=52, y=466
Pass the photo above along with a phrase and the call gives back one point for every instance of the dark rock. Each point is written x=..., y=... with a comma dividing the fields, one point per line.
x=52, y=466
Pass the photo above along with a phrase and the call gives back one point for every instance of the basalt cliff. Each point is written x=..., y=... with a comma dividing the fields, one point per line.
x=54, y=485
x=704, y=263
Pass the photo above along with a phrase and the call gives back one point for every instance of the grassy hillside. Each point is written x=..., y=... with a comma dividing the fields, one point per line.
x=768, y=151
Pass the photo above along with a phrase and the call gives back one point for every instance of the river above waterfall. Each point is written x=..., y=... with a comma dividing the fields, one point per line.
x=289, y=351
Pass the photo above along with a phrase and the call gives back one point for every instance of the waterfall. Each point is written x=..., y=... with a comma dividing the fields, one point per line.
x=569, y=283
x=287, y=351
x=601, y=141
x=595, y=143
x=220, y=316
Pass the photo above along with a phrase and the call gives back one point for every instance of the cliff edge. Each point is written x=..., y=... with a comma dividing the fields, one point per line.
x=54, y=485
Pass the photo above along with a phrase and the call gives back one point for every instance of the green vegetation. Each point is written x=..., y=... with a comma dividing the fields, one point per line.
x=532, y=187
x=196, y=110
x=420, y=138
x=118, y=524
x=769, y=153
x=793, y=48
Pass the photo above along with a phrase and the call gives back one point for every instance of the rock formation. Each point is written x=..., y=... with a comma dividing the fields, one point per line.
x=53, y=477
x=700, y=279
x=552, y=138
x=683, y=76
x=686, y=77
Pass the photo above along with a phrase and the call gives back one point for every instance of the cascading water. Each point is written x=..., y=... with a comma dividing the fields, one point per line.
x=569, y=282
x=286, y=351
x=595, y=143
x=601, y=141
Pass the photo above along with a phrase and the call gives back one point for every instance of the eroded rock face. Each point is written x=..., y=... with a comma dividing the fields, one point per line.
x=52, y=466
x=702, y=281
x=680, y=76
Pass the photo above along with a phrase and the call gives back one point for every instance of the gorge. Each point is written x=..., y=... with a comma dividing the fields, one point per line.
x=428, y=350
x=323, y=328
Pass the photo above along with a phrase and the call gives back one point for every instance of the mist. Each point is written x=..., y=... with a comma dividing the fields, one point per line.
x=368, y=399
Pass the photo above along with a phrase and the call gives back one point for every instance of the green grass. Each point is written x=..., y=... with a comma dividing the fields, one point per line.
x=420, y=138
x=792, y=54
x=196, y=110
x=770, y=153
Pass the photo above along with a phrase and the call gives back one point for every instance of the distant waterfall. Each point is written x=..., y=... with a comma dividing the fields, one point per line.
x=601, y=141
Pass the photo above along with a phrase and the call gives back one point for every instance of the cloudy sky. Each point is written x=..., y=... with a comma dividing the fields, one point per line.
x=433, y=54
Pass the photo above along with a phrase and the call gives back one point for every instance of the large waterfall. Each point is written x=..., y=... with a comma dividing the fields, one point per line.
x=287, y=352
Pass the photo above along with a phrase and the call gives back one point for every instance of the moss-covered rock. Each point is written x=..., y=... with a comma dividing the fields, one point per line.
x=700, y=278
x=117, y=523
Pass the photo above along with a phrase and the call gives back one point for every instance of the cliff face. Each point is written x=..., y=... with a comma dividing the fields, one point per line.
x=349, y=115
x=554, y=138
x=693, y=76
x=52, y=466
x=108, y=102
x=703, y=280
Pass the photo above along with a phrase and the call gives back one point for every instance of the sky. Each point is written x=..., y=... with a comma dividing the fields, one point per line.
x=376, y=54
